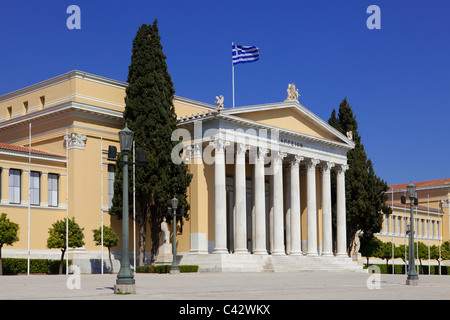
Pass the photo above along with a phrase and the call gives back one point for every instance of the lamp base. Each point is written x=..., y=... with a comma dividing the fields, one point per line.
x=412, y=282
x=125, y=288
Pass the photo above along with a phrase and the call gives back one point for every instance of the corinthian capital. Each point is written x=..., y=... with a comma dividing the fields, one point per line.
x=219, y=143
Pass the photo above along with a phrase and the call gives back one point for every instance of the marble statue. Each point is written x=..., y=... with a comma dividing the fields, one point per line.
x=292, y=93
x=165, y=232
x=219, y=101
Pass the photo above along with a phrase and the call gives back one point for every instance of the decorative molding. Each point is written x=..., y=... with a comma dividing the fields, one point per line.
x=311, y=163
x=342, y=168
x=75, y=141
x=326, y=166
x=219, y=143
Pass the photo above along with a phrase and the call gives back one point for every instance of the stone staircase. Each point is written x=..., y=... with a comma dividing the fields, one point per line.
x=270, y=263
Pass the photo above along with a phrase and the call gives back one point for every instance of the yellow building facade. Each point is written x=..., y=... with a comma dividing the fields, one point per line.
x=260, y=197
x=431, y=216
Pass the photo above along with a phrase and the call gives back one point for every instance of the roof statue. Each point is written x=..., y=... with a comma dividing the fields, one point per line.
x=292, y=93
x=219, y=101
x=350, y=135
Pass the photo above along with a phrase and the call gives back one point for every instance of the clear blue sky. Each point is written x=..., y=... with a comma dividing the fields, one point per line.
x=396, y=79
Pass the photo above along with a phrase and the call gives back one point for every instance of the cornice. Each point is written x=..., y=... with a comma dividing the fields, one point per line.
x=61, y=78
x=60, y=109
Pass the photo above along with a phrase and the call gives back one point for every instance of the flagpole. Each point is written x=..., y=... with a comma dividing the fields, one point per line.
x=29, y=197
x=134, y=206
x=232, y=70
x=67, y=201
x=101, y=198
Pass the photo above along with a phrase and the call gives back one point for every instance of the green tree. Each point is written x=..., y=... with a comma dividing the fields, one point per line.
x=423, y=252
x=110, y=240
x=385, y=252
x=370, y=245
x=365, y=192
x=440, y=253
x=150, y=113
x=8, y=235
x=57, y=237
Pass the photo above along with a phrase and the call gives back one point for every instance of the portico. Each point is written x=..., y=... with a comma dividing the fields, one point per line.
x=271, y=180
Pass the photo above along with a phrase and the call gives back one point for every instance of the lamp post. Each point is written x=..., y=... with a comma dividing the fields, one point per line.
x=174, y=268
x=125, y=282
x=413, y=278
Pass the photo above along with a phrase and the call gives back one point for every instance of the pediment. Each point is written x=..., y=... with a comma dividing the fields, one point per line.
x=289, y=116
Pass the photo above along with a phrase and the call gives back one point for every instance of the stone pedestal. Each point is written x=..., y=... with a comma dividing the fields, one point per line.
x=356, y=256
x=414, y=282
x=165, y=254
x=125, y=288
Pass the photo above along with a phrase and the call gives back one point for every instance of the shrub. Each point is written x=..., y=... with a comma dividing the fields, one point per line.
x=165, y=269
x=12, y=266
x=400, y=269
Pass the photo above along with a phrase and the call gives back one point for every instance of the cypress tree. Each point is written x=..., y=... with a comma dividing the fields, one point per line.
x=150, y=113
x=365, y=192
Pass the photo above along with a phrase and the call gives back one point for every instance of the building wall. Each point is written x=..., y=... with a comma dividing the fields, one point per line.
x=93, y=107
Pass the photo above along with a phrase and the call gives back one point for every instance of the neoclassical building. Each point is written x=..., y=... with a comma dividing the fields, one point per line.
x=260, y=196
x=431, y=216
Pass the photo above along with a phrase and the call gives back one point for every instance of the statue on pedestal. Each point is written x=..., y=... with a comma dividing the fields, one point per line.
x=292, y=93
x=165, y=254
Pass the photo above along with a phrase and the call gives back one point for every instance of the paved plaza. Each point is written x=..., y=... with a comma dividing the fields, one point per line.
x=227, y=286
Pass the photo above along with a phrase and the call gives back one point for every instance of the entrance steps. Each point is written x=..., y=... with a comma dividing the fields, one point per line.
x=270, y=263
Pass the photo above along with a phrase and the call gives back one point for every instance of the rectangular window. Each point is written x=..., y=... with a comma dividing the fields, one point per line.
x=53, y=190
x=111, y=171
x=35, y=188
x=42, y=102
x=14, y=186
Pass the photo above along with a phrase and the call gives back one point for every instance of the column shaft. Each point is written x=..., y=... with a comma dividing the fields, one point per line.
x=311, y=207
x=278, y=228
x=341, y=212
x=240, y=201
x=260, y=204
x=326, y=210
x=295, y=207
x=220, y=207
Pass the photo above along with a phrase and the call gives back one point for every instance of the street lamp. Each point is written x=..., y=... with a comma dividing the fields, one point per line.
x=413, y=278
x=174, y=268
x=125, y=282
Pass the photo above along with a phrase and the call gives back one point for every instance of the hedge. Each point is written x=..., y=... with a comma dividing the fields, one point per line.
x=165, y=269
x=12, y=266
x=400, y=269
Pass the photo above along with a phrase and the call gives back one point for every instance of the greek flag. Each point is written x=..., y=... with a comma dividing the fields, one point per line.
x=243, y=54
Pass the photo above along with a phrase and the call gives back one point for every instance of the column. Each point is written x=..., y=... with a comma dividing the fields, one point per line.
x=295, y=207
x=199, y=208
x=326, y=210
x=220, y=205
x=287, y=205
x=4, y=187
x=278, y=228
x=341, y=212
x=311, y=206
x=240, y=243
x=260, y=203
x=271, y=213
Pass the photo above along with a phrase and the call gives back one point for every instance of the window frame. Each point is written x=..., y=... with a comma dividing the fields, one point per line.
x=13, y=187
x=32, y=188
x=51, y=191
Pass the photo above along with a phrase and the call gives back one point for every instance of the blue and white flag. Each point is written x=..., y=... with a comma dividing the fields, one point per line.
x=243, y=54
